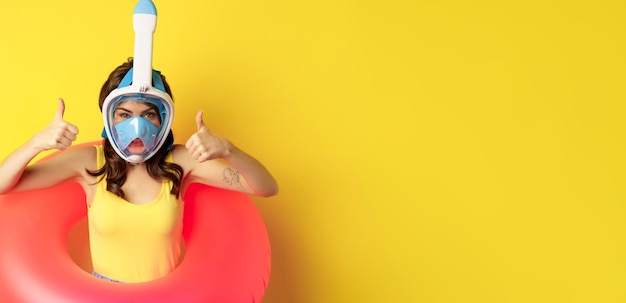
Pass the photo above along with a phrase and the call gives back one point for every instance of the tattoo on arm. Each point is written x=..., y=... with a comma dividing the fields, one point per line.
x=231, y=177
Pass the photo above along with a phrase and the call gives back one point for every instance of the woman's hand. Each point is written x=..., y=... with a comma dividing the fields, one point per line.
x=241, y=172
x=58, y=134
x=205, y=145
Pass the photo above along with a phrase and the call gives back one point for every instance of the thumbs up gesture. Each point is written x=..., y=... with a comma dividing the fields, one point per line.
x=205, y=145
x=58, y=134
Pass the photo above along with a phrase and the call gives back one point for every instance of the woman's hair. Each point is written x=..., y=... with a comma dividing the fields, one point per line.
x=114, y=169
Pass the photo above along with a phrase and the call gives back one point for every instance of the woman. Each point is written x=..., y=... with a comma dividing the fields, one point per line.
x=134, y=206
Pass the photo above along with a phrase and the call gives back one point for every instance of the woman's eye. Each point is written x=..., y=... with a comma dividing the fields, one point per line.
x=149, y=115
x=124, y=115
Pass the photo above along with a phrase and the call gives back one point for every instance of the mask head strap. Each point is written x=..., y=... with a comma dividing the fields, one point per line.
x=157, y=81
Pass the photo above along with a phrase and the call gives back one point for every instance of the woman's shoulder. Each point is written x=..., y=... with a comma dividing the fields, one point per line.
x=180, y=156
x=178, y=150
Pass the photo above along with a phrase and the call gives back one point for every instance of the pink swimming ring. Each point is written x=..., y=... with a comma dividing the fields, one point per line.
x=227, y=256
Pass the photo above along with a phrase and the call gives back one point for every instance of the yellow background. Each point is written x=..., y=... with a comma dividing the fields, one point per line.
x=427, y=151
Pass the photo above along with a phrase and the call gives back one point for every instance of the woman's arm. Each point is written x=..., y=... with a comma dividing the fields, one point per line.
x=215, y=161
x=15, y=175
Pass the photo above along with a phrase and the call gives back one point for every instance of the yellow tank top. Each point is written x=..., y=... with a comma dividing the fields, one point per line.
x=130, y=242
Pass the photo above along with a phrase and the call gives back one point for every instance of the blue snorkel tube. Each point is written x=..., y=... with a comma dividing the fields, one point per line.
x=142, y=84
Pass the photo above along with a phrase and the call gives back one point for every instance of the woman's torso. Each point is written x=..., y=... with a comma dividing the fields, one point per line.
x=138, y=238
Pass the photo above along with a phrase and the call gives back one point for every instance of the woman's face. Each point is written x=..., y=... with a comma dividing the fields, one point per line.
x=129, y=109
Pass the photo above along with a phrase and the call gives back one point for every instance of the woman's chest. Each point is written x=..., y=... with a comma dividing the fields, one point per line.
x=148, y=207
x=137, y=191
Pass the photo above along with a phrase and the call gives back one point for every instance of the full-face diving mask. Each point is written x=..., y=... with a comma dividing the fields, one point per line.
x=140, y=84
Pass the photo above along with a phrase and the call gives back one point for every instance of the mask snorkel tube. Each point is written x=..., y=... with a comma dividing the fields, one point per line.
x=141, y=84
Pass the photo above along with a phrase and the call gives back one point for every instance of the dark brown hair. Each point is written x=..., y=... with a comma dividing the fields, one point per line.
x=114, y=169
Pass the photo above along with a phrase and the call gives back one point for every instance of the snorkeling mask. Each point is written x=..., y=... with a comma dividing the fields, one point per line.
x=140, y=84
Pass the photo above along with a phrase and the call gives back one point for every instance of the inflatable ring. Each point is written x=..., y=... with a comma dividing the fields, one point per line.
x=43, y=240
